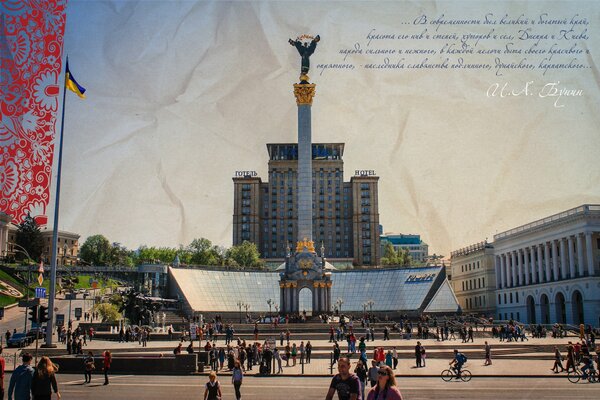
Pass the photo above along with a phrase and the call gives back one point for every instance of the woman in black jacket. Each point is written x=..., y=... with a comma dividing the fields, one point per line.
x=44, y=380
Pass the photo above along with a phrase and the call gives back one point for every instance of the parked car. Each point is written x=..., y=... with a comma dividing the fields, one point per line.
x=18, y=340
x=40, y=332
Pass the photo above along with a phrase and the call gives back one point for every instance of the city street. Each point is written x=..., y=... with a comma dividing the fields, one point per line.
x=191, y=387
x=14, y=318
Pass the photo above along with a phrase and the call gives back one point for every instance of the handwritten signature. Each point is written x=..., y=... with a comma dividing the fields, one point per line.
x=552, y=90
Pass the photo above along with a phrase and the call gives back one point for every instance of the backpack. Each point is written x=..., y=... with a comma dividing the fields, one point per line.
x=462, y=358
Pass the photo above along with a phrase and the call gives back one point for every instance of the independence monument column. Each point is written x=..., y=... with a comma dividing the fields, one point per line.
x=304, y=92
x=304, y=268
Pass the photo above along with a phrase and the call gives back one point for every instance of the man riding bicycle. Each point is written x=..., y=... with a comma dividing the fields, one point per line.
x=587, y=366
x=458, y=361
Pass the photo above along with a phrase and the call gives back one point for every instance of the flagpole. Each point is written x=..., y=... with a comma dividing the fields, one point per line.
x=52, y=295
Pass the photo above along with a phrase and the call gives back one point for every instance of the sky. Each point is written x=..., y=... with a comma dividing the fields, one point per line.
x=180, y=95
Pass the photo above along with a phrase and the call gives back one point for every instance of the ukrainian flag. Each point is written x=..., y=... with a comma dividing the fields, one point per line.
x=72, y=84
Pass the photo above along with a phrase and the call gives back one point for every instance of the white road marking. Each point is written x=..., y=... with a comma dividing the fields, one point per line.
x=79, y=381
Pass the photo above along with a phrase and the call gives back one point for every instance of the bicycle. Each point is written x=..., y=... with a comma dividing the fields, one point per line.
x=577, y=375
x=448, y=374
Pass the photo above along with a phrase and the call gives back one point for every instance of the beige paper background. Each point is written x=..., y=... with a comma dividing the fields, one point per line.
x=182, y=94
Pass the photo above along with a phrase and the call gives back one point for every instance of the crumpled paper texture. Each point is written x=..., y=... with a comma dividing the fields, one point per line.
x=181, y=95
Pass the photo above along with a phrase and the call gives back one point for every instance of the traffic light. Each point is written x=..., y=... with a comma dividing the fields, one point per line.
x=33, y=314
x=43, y=314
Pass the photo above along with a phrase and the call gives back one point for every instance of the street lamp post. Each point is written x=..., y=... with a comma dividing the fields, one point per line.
x=339, y=303
x=270, y=302
x=246, y=307
x=370, y=304
x=240, y=305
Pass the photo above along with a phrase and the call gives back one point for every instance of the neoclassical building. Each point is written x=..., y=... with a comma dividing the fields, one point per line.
x=474, y=278
x=548, y=270
x=67, y=250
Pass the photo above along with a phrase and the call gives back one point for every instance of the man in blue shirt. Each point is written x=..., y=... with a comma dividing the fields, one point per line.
x=458, y=361
x=20, y=381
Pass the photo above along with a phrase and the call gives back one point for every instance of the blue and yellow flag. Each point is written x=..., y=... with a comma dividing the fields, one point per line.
x=72, y=84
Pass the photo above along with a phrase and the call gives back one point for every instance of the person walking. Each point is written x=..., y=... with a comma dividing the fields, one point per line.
x=389, y=358
x=423, y=356
x=336, y=352
x=418, y=355
x=308, y=351
x=294, y=354
x=361, y=372
x=277, y=357
x=88, y=367
x=221, y=358
x=570, y=358
x=212, y=389
x=236, y=378
x=106, y=365
x=2, y=366
x=345, y=383
x=43, y=382
x=395, y=357
x=488, y=354
x=372, y=373
x=288, y=355
x=19, y=387
x=386, y=388
x=557, y=361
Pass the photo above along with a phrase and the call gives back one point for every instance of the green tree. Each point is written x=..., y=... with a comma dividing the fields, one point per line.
x=30, y=238
x=204, y=253
x=390, y=256
x=96, y=250
x=108, y=312
x=245, y=254
x=404, y=257
x=147, y=254
x=119, y=255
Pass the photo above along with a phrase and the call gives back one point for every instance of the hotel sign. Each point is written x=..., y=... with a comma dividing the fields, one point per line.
x=420, y=278
x=364, y=172
x=245, y=174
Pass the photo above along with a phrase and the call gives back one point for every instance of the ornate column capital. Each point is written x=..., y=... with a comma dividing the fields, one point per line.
x=304, y=93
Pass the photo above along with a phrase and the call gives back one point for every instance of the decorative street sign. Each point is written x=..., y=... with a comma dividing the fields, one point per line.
x=40, y=279
x=40, y=293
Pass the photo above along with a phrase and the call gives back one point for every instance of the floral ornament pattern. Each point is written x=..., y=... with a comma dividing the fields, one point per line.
x=31, y=44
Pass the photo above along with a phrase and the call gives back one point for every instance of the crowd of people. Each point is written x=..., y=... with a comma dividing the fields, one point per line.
x=579, y=354
x=75, y=339
x=372, y=376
